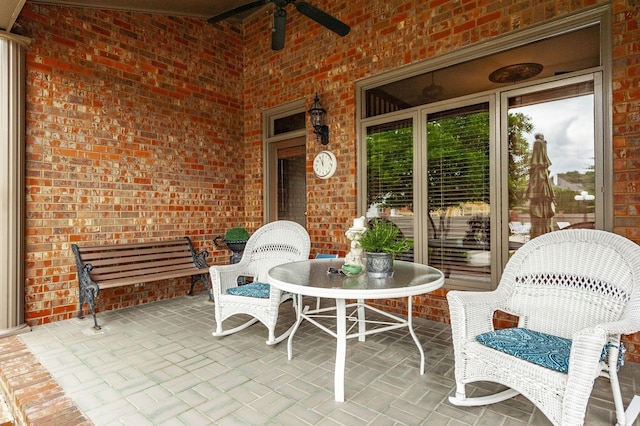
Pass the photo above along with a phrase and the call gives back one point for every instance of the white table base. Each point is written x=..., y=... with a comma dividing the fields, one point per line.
x=342, y=333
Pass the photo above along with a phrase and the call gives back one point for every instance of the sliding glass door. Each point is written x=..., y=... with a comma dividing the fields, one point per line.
x=390, y=157
x=457, y=190
x=552, y=151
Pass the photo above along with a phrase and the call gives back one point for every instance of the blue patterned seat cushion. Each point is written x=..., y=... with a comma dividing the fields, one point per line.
x=539, y=348
x=255, y=289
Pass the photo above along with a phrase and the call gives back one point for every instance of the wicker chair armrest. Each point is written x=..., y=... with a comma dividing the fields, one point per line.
x=584, y=368
x=224, y=277
x=472, y=312
x=234, y=268
x=623, y=326
x=587, y=345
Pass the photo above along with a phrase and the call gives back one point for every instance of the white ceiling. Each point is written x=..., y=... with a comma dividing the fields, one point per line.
x=203, y=9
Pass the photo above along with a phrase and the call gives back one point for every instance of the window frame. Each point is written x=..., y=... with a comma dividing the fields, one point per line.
x=494, y=155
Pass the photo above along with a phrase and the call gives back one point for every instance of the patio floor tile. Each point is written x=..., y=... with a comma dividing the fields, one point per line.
x=158, y=364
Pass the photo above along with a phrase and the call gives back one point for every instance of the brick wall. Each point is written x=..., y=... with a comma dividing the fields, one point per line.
x=134, y=132
x=143, y=126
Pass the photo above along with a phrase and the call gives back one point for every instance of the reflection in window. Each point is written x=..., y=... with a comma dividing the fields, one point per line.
x=292, y=202
x=390, y=175
x=561, y=54
x=289, y=123
x=551, y=161
x=458, y=193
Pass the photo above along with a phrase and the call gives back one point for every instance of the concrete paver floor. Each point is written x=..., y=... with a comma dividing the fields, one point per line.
x=158, y=364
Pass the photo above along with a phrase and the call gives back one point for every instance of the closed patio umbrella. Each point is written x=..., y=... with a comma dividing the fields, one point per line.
x=539, y=192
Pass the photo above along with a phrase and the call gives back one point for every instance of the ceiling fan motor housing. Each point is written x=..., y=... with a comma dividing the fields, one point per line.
x=280, y=18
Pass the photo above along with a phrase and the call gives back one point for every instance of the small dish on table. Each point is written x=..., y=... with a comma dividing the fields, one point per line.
x=351, y=270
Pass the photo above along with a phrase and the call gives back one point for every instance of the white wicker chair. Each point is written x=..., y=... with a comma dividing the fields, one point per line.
x=582, y=285
x=273, y=244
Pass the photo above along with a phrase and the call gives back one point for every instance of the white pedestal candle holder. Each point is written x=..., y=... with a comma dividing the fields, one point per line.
x=354, y=257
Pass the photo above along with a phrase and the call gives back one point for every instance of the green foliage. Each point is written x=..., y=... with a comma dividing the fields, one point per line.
x=458, y=159
x=458, y=164
x=566, y=202
x=390, y=165
x=236, y=234
x=382, y=237
x=586, y=181
x=519, y=157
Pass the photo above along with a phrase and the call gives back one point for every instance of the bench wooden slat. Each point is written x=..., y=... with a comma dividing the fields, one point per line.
x=92, y=253
x=126, y=246
x=138, y=259
x=140, y=269
x=112, y=257
x=138, y=279
x=171, y=245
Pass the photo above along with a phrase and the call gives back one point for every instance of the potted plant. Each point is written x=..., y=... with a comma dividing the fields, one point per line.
x=235, y=239
x=381, y=243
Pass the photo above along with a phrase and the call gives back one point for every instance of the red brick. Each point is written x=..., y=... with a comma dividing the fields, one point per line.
x=32, y=394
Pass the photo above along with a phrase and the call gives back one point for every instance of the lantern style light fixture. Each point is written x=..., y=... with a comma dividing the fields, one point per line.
x=316, y=117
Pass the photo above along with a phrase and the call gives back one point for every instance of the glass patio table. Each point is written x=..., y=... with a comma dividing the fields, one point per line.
x=311, y=278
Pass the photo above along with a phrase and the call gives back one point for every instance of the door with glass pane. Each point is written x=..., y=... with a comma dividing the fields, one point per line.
x=552, y=176
x=458, y=192
x=287, y=181
x=453, y=231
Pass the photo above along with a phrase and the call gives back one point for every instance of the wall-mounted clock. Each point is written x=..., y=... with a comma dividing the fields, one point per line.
x=325, y=164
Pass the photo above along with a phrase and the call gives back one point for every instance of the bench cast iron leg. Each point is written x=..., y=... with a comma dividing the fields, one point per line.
x=88, y=292
x=200, y=260
x=204, y=279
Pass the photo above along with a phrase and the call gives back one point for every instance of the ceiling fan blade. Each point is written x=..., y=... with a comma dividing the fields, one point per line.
x=236, y=10
x=322, y=18
x=279, y=24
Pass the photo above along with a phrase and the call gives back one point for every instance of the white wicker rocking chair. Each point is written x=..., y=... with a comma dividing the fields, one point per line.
x=273, y=244
x=582, y=285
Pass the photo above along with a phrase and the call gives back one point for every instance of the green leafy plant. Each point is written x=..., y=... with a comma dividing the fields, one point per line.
x=236, y=234
x=382, y=237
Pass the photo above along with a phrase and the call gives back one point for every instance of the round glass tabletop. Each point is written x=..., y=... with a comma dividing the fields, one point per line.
x=311, y=278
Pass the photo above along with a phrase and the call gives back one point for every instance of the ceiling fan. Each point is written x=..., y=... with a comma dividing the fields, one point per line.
x=280, y=17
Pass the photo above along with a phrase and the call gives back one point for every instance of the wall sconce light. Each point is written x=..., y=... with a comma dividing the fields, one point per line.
x=316, y=116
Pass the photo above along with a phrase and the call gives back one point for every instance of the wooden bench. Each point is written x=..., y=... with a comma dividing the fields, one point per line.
x=101, y=267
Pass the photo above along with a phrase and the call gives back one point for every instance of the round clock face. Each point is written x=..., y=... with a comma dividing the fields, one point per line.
x=325, y=164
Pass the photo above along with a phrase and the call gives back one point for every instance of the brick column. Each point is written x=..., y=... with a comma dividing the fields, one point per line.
x=12, y=175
